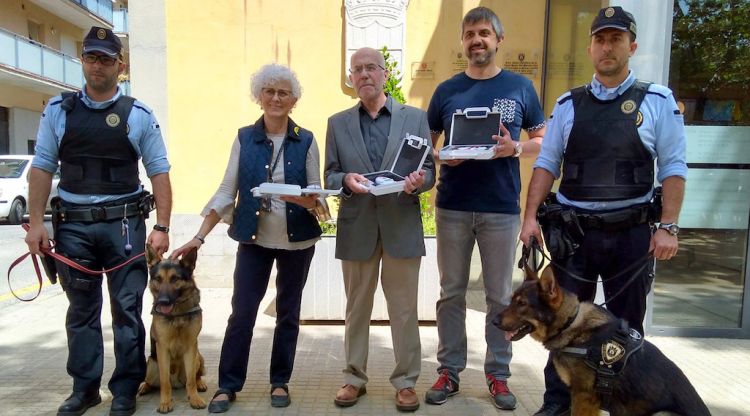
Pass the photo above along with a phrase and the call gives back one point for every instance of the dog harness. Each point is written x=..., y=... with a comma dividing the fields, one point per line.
x=608, y=358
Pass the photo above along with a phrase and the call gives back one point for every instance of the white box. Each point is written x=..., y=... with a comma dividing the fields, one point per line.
x=410, y=157
x=471, y=134
x=268, y=188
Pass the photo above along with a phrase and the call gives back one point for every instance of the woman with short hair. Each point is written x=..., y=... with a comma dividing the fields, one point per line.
x=268, y=229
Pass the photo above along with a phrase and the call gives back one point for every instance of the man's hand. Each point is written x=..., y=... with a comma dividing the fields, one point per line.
x=663, y=244
x=37, y=238
x=414, y=181
x=505, y=146
x=530, y=228
x=159, y=240
x=355, y=182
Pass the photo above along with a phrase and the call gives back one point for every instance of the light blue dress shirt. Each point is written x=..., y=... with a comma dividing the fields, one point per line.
x=662, y=133
x=144, y=135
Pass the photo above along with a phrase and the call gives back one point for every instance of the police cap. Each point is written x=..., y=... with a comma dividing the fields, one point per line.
x=613, y=17
x=101, y=39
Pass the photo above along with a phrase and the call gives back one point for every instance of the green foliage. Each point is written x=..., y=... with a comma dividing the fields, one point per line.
x=392, y=87
x=711, y=54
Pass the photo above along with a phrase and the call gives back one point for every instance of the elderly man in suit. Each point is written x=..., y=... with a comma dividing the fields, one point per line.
x=377, y=235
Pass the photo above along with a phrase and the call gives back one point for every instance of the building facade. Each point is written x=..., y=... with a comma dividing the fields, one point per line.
x=40, y=48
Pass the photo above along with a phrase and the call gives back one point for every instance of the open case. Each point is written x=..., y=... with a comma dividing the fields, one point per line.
x=471, y=134
x=268, y=188
x=410, y=157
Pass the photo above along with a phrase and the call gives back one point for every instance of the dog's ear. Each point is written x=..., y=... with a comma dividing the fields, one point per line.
x=152, y=258
x=187, y=260
x=529, y=275
x=548, y=283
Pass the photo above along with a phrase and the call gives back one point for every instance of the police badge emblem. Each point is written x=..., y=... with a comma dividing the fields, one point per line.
x=609, y=12
x=612, y=352
x=638, y=119
x=101, y=34
x=628, y=107
x=113, y=120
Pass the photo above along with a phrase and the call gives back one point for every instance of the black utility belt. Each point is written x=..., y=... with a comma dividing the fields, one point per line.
x=623, y=218
x=97, y=213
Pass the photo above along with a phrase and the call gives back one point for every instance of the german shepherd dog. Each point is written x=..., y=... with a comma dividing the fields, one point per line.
x=177, y=321
x=648, y=383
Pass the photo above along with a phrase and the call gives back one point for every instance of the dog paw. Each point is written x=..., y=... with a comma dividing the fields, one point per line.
x=144, y=388
x=197, y=402
x=201, y=385
x=165, y=407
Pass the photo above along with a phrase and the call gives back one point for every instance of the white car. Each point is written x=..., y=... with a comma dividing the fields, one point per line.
x=14, y=187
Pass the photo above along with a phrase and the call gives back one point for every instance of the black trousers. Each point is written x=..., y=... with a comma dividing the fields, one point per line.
x=102, y=245
x=251, y=275
x=605, y=254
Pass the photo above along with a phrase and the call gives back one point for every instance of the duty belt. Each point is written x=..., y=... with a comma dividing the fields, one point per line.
x=97, y=213
x=624, y=218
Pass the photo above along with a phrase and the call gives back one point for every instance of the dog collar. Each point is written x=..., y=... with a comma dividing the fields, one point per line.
x=567, y=324
x=192, y=311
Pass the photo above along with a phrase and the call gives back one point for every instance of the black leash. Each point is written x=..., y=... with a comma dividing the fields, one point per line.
x=529, y=254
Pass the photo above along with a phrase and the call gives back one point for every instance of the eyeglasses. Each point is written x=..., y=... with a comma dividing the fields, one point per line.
x=105, y=60
x=270, y=92
x=369, y=68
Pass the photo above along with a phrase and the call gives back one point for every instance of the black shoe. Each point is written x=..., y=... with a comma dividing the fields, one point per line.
x=553, y=409
x=122, y=406
x=280, y=400
x=443, y=388
x=78, y=402
x=221, y=406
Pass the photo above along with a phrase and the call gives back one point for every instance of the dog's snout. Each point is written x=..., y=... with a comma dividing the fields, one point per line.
x=163, y=300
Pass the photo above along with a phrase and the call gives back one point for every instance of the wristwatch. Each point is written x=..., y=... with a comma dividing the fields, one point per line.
x=671, y=227
x=162, y=228
x=517, y=149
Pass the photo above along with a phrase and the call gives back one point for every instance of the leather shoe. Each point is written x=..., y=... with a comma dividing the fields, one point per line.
x=553, y=409
x=406, y=400
x=78, y=402
x=348, y=395
x=122, y=406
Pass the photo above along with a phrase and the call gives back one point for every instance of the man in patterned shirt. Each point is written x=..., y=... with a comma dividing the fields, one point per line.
x=478, y=201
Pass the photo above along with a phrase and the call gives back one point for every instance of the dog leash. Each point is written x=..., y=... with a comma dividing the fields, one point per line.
x=529, y=253
x=59, y=257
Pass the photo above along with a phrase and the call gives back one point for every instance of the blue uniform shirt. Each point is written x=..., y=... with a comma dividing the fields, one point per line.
x=144, y=135
x=662, y=133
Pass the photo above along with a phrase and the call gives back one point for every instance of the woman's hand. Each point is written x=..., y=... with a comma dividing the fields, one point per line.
x=194, y=242
x=305, y=201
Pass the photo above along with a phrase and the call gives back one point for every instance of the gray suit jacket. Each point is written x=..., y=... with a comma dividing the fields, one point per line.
x=362, y=217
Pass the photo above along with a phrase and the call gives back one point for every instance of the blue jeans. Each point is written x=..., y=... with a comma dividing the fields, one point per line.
x=251, y=276
x=496, y=235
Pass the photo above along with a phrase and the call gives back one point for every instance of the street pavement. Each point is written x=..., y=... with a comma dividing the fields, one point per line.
x=33, y=380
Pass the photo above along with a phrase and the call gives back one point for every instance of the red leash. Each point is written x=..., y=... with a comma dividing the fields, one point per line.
x=49, y=252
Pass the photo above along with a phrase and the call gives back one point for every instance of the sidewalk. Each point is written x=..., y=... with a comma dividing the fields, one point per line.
x=33, y=354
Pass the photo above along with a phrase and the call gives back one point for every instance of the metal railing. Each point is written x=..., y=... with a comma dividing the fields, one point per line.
x=27, y=55
x=101, y=8
x=120, y=20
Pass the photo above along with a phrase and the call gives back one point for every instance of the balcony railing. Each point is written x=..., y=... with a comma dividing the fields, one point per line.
x=102, y=8
x=30, y=56
x=120, y=20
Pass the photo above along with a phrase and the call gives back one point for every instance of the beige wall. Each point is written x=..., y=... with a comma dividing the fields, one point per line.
x=213, y=50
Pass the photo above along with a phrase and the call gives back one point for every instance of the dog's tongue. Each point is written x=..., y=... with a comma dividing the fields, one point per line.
x=509, y=335
x=165, y=309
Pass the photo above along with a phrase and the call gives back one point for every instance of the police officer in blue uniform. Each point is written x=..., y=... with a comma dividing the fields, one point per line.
x=98, y=135
x=606, y=135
